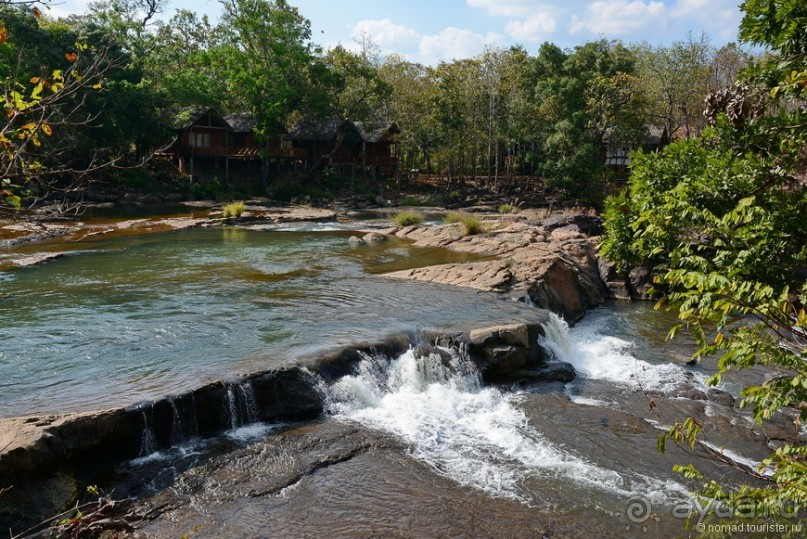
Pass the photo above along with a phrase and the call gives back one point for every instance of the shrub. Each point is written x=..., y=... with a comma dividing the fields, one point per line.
x=507, y=208
x=473, y=225
x=408, y=218
x=234, y=209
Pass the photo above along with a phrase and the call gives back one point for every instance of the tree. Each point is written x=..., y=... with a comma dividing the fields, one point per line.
x=570, y=159
x=45, y=109
x=721, y=219
x=409, y=106
x=676, y=80
x=265, y=56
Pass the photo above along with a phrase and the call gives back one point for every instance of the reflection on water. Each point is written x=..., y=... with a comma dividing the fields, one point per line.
x=144, y=316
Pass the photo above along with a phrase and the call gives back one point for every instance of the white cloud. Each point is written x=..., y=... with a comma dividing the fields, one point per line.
x=454, y=43
x=534, y=28
x=451, y=43
x=387, y=35
x=613, y=17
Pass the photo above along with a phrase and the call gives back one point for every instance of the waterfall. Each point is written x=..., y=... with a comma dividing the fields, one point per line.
x=176, y=423
x=556, y=337
x=240, y=407
x=231, y=408
x=249, y=404
x=148, y=440
x=599, y=356
x=475, y=435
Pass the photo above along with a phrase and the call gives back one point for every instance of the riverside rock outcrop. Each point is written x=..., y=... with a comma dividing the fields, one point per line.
x=552, y=263
x=46, y=459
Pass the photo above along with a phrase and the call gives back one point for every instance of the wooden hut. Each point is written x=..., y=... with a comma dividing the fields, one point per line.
x=343, y=143
x=616, y=152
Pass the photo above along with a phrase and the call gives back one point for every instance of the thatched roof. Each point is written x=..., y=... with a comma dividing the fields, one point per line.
x=328, y=129
x=189, y=117
x=376, y=131
x=653, y=136
x=241, y=123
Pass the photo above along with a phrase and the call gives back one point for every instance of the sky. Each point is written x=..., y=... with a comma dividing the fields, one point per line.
x=431, y=31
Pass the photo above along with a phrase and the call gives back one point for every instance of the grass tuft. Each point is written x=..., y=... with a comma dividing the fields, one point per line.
x=408, y=218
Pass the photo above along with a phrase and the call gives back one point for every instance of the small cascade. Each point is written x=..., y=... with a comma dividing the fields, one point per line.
x=475, y=435
x=597, y=355
x=148, y=440
x=556, y=338
x=240, y=407
x=248, y=403
x=177, y=434
x=231, y=408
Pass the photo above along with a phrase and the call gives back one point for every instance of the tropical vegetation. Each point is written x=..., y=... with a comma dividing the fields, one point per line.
x=91, y=97
x=720, y=218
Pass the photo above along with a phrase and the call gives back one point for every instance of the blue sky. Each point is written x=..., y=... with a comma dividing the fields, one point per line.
x=430, y=31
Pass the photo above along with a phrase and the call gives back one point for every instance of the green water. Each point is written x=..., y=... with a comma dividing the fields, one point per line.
x=130, y=319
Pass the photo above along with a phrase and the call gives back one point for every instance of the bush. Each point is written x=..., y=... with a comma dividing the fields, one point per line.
x=507, y=208
x=473, y=225
x=234, y=209
x=410, y=201
x=408, y=218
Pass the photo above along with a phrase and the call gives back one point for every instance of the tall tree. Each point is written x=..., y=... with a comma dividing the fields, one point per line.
x=266, y=55
x=676, y=82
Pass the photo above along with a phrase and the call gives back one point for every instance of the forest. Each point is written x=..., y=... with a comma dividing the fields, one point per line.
x=91, y=97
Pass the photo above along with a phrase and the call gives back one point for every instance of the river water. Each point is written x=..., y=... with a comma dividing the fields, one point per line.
x=123, y=320
x=409, y=447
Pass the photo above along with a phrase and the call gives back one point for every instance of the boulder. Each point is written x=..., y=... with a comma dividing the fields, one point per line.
x=373, y=238
x=556, y=266
x=640, y=281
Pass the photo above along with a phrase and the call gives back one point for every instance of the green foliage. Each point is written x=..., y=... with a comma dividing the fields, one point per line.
x=722, y=220
x=408, y=218
x=234, y=209
x=504, y=209
x=410, y=201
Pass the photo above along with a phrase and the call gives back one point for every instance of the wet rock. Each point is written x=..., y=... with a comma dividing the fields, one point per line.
x=355, y=240
x=38, y=259
x=502, y=351
x=640, y=281
x=558, y=371
x=374, y=238
x=721, y=397
x=289, y=394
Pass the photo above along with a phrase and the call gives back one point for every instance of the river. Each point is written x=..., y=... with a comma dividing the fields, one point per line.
x=409, y=446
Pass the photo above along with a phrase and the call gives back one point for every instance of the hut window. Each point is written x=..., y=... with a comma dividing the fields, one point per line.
x=200, y=140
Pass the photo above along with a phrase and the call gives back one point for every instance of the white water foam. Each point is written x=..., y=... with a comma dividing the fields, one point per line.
x=595, y=355
x=471, y=434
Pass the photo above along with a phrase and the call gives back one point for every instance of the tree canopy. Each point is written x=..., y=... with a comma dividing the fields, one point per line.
x=721, y=220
